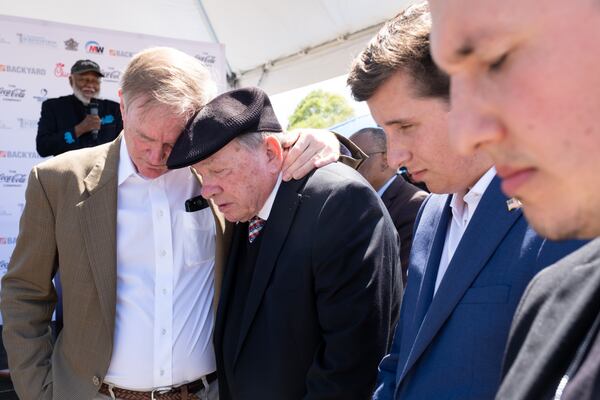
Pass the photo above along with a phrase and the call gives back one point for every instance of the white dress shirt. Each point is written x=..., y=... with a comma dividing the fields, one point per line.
x=463, y=207
x=165, y=281
x=265, y=211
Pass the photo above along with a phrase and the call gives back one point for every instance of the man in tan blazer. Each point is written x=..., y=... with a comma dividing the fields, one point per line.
x=139, y=270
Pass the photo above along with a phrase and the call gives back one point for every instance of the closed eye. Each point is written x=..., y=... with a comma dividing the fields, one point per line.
x=497, y=64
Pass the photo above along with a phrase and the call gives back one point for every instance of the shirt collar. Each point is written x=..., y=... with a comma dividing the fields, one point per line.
x=386, y=185
x=126, y=167
x=266, y=209
x=473, y=196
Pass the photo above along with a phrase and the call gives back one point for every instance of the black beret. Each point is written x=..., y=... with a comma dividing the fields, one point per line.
x=223, y=119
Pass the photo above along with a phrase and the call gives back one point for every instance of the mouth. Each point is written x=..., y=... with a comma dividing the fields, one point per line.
x=416, y=176
x=513, y=178
x=223, y=206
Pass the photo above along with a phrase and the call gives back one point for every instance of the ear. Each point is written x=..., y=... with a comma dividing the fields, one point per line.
x=71, y=80
x=274, y=153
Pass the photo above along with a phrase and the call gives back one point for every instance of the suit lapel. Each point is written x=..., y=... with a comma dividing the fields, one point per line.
x=477, y=245
x=223, y=237
x=274, y=235
x=391, y=192
x=98, y=221
x=428, y=243
x=228, y=279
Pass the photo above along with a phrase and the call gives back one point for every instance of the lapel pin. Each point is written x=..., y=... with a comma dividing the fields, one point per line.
x=513, y=204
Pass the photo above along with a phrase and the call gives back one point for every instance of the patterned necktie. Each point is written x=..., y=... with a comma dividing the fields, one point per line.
x=254, y=227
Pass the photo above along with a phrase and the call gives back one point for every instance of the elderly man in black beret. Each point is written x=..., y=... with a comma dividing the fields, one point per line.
x=310, y=290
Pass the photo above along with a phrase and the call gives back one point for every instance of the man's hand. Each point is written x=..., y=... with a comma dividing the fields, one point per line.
x=89, y=123
x=308, y=149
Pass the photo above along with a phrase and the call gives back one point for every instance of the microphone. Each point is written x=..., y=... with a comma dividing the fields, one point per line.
x=94, y=111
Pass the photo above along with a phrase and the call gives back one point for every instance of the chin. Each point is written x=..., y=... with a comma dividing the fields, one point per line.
x=563, y=228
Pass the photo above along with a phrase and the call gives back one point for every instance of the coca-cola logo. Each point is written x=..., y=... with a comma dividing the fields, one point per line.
x=59, y=70
x=111, y=75
x=206, y=59
x=12, y=179
x=11, y=93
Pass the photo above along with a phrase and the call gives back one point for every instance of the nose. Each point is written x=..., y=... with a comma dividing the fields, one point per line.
x=209, y=189
x=398, y=154
x=472, y=122
x=157, y=154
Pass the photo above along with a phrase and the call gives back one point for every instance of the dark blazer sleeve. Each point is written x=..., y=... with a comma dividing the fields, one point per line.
x=403, y=201
x=388, y=368
x=358, y=288
x=50, y=139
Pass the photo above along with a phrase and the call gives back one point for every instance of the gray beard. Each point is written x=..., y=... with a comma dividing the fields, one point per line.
x=77, y=93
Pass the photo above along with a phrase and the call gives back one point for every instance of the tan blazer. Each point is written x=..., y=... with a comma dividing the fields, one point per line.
x=69, y=221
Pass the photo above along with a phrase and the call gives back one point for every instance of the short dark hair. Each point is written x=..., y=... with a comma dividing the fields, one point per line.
x=402, y=44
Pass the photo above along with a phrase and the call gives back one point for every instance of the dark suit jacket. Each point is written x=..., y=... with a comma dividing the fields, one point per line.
x=451, y=347
x=323, y=298
x=403, y=201
x=60, y=115
x=551, y=322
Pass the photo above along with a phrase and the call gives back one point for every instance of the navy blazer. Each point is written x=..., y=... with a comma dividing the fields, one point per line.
x=451, y=346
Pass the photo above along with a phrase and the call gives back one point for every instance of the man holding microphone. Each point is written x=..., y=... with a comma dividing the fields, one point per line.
x=80, y=119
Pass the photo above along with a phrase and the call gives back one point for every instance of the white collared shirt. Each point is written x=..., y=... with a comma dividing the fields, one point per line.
x=463, y=207
x=386, y=185
x=165, y=281
x=265, y=211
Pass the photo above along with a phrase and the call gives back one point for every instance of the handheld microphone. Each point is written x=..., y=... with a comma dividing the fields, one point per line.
x=94, y=111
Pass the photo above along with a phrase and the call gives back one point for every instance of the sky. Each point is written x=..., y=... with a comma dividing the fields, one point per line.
x=285, y=103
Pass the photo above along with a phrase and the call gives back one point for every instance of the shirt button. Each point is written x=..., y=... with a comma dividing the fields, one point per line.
x=160, y=213
x=163, y=253
x=96, y=381
x=163, y=331
x=164, y=291
x=162, y=372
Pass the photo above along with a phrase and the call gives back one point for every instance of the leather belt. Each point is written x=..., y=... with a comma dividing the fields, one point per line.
x=183, y=392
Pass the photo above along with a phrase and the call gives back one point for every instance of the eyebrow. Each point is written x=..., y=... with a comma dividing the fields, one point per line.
x=400, y=121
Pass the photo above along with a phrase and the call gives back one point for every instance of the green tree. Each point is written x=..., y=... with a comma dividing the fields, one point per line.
x=320, y=109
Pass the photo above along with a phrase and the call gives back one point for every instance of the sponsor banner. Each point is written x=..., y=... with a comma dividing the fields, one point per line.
x=35, y=62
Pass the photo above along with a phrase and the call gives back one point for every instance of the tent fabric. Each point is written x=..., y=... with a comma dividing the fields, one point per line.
x=278, y=45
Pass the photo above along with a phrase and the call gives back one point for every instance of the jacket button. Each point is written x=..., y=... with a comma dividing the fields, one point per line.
x=96, y=381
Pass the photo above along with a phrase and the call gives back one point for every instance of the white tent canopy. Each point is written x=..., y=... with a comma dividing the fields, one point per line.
x=278, y=45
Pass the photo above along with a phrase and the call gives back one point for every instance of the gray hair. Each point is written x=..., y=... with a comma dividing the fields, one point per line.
x=163, y=76
x=254, y=140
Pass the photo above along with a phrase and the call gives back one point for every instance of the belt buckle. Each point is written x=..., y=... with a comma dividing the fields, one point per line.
x=160, y=391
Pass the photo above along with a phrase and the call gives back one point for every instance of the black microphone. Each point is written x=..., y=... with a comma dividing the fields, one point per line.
x=94, y=111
